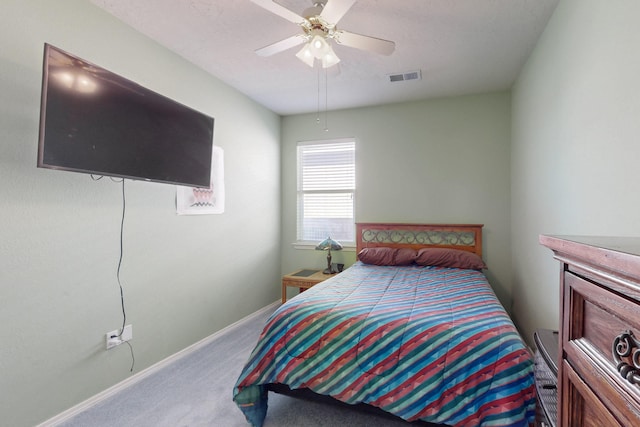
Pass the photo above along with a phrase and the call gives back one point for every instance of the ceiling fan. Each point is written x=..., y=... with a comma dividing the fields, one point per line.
x=318, y=24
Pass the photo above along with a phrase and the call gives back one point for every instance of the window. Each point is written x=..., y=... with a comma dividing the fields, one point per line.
x=326, y=190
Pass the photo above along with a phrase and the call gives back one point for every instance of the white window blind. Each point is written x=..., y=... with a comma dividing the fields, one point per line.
x=326, y=190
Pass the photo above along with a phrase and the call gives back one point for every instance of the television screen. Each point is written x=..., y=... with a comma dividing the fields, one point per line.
x=97, y=122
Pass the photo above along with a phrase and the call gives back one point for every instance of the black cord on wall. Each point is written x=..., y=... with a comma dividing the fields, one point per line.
x=124, y=208
x=124, y=311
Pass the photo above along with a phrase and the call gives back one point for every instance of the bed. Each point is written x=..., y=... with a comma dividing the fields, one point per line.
x=412, y=329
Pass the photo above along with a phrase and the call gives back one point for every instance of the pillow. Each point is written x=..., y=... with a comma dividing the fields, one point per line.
x=454, y=258
x=387, y=256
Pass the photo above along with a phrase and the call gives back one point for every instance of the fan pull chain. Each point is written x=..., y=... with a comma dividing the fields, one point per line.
x=318, y=109
x=326, y=99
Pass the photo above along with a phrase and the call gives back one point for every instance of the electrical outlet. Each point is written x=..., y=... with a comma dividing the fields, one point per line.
x=113, y=338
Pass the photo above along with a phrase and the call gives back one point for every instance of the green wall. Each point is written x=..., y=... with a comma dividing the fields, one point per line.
x=184, y=277
x=437, y=161
x=575, y=149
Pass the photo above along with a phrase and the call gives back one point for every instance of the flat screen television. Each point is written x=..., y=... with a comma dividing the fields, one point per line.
x=97, y=122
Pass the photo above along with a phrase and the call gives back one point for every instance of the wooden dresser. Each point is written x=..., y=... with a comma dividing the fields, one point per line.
x=599, y=340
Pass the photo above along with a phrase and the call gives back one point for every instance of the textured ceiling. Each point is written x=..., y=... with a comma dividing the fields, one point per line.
x=460, y=47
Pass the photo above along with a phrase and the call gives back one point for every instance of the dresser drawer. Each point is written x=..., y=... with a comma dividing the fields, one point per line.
x=599, y=320
x=585, y=409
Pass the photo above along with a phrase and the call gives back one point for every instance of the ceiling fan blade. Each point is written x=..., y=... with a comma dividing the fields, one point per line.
x=334, y=10
x=373, y=44
x=279, y=10
x=282, y=45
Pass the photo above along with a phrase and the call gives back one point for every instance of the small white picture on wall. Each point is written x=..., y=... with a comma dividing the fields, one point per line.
x=204, y=201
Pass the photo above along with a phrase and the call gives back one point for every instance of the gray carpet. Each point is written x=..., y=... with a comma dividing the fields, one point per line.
x=197, y=391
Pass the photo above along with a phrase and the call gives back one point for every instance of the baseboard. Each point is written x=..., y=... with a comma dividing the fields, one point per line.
x=96, y=399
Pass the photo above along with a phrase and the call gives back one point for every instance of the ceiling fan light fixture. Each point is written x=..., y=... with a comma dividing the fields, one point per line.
x=329, y=59
x=306, y=55
x=319, y=45
x=318, y=48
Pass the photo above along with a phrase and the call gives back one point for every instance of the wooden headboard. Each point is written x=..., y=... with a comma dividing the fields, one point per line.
x=467, y=237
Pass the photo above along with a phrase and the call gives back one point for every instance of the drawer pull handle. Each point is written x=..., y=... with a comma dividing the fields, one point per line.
x=626, y=345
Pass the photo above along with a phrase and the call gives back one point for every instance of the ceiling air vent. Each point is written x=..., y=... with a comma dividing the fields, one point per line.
x=403, y=77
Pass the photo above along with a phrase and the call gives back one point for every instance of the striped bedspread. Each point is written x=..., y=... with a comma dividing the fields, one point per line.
x=423, y=343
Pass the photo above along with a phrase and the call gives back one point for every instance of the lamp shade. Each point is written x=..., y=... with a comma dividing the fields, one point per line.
x=306, y=55
x=329, y=59
x=329, y=244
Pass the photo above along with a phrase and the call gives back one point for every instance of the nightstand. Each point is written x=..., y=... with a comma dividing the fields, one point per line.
x=302, y=279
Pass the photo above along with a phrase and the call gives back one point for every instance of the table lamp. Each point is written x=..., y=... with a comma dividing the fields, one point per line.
x=329, y=244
